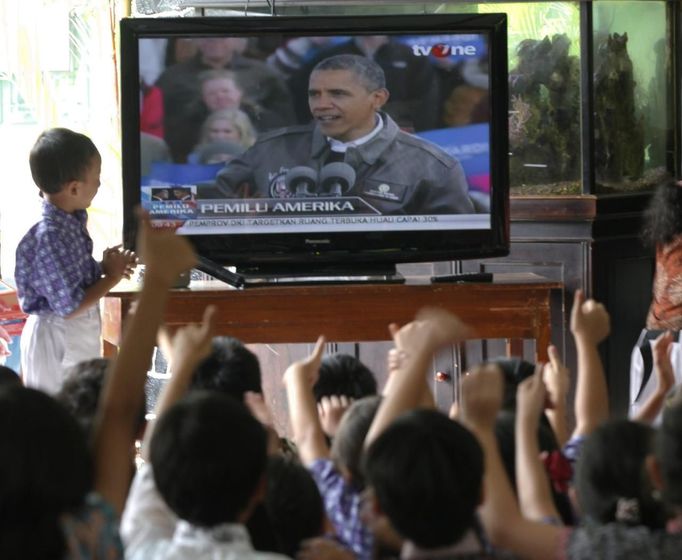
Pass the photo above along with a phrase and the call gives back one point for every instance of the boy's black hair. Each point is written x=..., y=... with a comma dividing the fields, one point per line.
x=208, y=454
x=347, y=447
x=427, y=474
x=46, y=470
x=8, y=376
x=81, y=390
x=611, y=469
x=669, y=453
x=231, y=369
x=60, y=156
x=343, y=374
x=293, y=503
x=662, y=218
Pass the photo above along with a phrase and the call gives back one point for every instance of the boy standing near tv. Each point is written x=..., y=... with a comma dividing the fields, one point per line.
x=59, y=283
x=394, y=172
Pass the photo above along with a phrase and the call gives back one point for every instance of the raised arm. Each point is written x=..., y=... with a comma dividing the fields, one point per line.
x=432, y=329
x=166, y=255
x=665, y=379
x=532, y=485
x=590, y=324
x=299, y=379
x=557, y=379
x=481, y=398
x=186, y=349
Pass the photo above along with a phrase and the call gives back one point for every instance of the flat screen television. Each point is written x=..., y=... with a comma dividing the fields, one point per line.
x=324, y=146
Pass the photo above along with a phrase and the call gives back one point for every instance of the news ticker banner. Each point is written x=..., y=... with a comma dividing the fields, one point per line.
x=207, y=216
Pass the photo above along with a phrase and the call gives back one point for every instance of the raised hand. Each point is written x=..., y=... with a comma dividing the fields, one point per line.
x=432, y=329
x=308, y=367
x=330, y=410
x=589, y=319
x=663, y=368
x=530, y=397
x=165, y=254
x=192, y=343
x=556, y=377
x=481, y=392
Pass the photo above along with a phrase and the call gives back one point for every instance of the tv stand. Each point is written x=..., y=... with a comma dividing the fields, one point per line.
x=304, y=274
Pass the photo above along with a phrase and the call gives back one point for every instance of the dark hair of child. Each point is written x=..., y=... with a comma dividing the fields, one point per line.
x=426, y=472
x=81, y=390
x=343, y=374
x=46, y=471
x=8, y=376
x=662, y=218
x=611, y=479
x=230, y=369
x=60, y=156
x=293, y=503
x=208, y=455
x=347, y=447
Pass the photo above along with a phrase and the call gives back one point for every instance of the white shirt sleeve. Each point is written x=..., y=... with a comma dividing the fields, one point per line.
x=146, y=518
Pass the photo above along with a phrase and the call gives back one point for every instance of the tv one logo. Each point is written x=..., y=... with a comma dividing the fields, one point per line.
x=443, y=50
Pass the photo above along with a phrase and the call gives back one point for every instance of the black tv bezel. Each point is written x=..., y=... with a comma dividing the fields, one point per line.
x=338, y=248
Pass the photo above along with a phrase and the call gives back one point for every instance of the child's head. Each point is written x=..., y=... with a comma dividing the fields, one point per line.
x=220, y=90
x=293, y=503
x=347, y=447
x=208, y=454
x=60, y=158
x=46, y=471
x=80, y=392
x=228, y=125
x=344, y=375
x=611, y=478
x=426, y=473
x=231, y=368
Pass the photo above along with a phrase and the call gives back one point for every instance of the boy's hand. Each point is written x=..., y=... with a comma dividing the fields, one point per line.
x=556, y=377
x=192, y=343
x=331, y=410
x=663, y=367
x=308, y=368
x=590, y=321
x=481, y=393
x=165, y=254
x=432, y=328
x=530, y=397
x=117, y=263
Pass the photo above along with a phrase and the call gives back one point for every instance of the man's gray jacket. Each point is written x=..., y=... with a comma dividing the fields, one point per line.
x=396, y=173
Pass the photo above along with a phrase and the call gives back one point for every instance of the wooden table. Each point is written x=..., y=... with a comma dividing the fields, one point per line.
x=513, y=307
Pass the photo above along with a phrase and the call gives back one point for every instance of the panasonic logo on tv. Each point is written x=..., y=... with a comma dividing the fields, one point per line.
x=317, y=241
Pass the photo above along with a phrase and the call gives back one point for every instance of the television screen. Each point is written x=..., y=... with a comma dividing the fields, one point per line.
x=306, y=142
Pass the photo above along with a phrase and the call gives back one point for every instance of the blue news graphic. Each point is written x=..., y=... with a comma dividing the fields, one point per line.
x=471, y=146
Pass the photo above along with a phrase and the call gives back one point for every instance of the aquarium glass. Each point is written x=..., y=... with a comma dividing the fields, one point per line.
x=632, y=98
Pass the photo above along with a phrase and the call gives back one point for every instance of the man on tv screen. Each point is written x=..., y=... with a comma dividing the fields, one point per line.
x=351, y=149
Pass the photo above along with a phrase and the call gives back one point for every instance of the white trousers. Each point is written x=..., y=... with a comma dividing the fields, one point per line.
x=51, y=344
